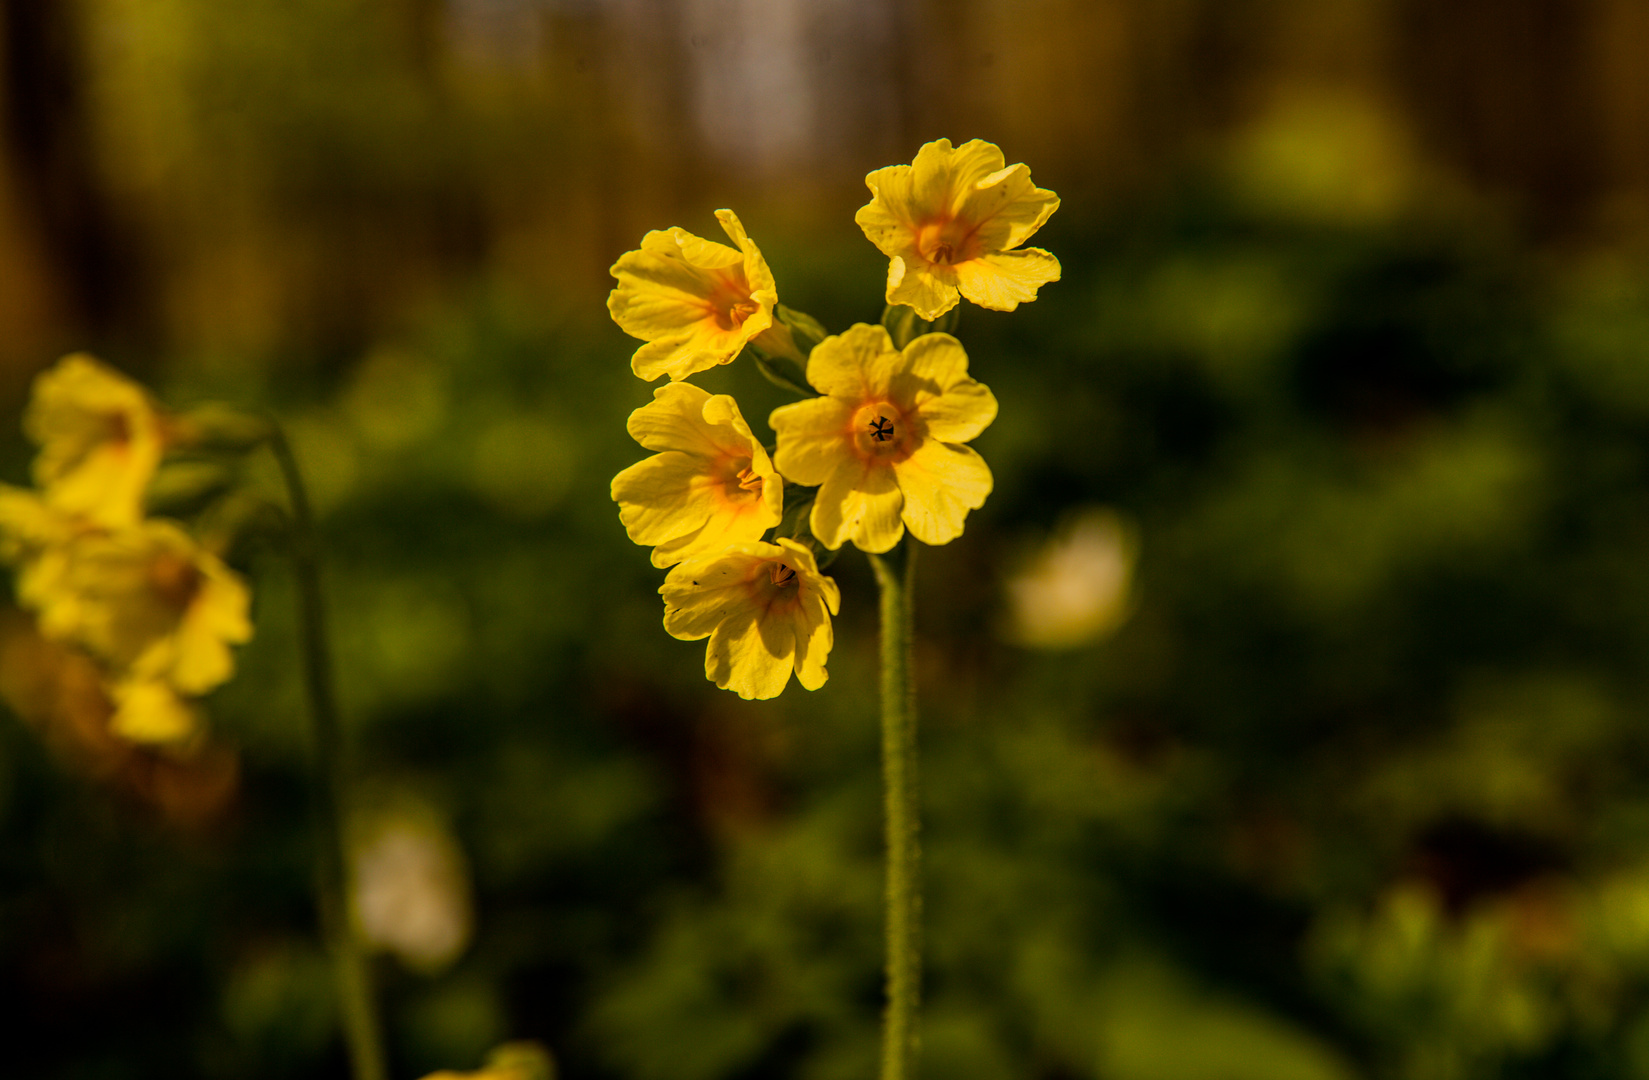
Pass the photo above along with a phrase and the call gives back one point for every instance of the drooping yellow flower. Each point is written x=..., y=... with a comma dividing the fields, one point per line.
x=953, y=220
x=711, y=484
x=885, y=442
x=154, y=606
x=100, y=436
x=695, y=302
x=766, y=610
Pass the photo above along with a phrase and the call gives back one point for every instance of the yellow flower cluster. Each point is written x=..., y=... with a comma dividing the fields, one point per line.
x=156, y=609
x=883, y=442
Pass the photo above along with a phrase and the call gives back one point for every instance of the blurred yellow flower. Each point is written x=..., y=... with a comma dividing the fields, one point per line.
x=885, y=441
x=512, y=1061
x=100, y=436
x=152, y=711
x=711, y=484
x=695, y=302
x=35, y=538
x=766, y=610
x=951, y=221
x=154, y=605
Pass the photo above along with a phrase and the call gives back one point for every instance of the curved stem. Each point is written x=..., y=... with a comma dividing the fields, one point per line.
x=900, y=1037
x=355, y=997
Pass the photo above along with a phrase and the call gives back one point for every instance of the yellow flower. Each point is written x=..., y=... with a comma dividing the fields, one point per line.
x=885, y=441
x=712, y=483
x=512, y=1061
x=695, y=302
x=153, y=605
x=766, y=610
x=100, y=436
x=951, y=220
x=152, y=711
x=36, y=539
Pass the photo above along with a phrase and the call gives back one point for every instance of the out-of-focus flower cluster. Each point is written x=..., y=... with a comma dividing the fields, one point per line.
x=154, y=608
x=876, y=448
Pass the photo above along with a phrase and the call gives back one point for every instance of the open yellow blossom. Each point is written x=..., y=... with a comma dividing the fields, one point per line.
x=711, y=483
x=695, y=302
x=100, y=436
x=766, y=610
x=885, y=442
x=154, y=605
x=953, y=220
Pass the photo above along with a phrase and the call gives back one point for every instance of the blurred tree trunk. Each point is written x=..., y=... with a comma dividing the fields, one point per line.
x=50, y=149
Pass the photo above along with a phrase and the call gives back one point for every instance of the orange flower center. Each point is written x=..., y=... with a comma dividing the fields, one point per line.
x=729, y=301
x=882, y=432
x=174, y=580
x=947, y=241
x=781, y=575
x=737, y=477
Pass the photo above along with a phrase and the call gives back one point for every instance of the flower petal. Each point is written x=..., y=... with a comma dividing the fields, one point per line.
x=663, y=497
x=846, y=365
x=813, y=438
x=941, y=482
x=859, y=502
x=674, y=420
x=946, y=182
x=1007, y=279
x=150, y=711
x=703, y=591
x=814, y=639
x=1006, y=209
x=932, y=380
x=742, y=525
x=750, y=656
x=918, y=284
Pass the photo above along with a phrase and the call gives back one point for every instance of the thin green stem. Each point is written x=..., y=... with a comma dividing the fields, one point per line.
x=900, y=1036
x=355, y=997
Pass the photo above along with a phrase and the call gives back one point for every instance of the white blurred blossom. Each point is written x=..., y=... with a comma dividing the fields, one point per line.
x=1076, y=587
x=412, y=894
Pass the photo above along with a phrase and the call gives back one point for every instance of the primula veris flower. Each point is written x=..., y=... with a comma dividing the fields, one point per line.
x=100, y=436
x=154, y=605
x=885, y=442
x=952, y=220
x=766, y=610
x=695, y=302
x=512, y=1061
x=152, y=711
x=711, y=483
x=36, y=538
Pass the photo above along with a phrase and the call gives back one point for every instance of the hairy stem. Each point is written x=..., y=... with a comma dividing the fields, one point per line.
x=900, y=1037
x=354, y=981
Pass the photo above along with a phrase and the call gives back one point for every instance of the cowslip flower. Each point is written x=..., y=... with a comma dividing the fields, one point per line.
x=512, y=1061
x=710, y=484
x=952, y=221
x=885, y=442
x=695, y=302
x=766, y=610
x=36, y=539
x=154, y=606
x=151, y=711
x=100, y=436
